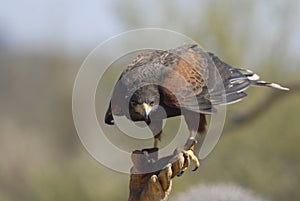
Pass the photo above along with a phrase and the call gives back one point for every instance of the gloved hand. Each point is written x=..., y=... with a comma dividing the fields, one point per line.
x=151, y=179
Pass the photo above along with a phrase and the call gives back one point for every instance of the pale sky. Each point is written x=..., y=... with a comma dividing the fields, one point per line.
x=68, y=22
x=74, y=24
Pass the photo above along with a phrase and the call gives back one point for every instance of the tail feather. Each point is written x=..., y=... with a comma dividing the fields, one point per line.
x=235, y=82
x=268, y=84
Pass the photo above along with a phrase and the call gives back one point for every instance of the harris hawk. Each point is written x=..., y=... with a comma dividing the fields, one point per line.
x=186, y=81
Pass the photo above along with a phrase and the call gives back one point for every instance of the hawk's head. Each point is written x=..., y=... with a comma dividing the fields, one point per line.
x=144, y=101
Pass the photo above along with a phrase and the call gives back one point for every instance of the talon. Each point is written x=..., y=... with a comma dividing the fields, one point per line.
x=180, y=173
x=190, y=154
x=186, y=162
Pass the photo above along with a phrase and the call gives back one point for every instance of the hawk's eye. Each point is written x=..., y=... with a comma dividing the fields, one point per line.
x=151, y=103
x=133, y=103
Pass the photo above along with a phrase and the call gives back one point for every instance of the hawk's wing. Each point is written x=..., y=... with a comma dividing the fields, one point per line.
x=200, y=79
x=186, y=85
x=188, y=77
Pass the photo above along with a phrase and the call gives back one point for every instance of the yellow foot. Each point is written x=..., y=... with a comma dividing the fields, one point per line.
x=189, y=152
x=190, y=156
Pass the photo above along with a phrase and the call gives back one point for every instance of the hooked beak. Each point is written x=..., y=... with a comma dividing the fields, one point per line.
x=144, y=110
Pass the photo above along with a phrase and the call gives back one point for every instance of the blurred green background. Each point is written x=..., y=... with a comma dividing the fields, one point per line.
x=43, y=44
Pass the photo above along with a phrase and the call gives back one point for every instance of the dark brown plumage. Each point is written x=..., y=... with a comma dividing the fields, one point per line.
x=181, y=81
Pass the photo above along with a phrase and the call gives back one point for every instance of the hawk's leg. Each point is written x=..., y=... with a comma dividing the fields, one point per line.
x=191, y=141
x=196, y=124
x=156, y=128
x=157, y=139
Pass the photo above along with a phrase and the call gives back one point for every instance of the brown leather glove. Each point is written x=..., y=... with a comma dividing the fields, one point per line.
x=151, y=179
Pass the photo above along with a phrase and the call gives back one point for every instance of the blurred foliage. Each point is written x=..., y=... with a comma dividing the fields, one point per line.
x=41, y=157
